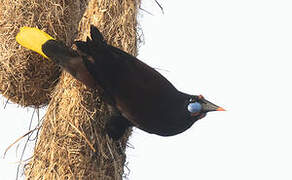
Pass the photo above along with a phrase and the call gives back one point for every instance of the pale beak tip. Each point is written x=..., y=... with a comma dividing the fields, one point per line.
x=220, y=109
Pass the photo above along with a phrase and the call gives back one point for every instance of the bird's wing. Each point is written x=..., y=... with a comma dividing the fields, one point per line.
x=136, y=88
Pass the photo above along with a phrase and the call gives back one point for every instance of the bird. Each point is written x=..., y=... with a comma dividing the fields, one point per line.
x=136, y=93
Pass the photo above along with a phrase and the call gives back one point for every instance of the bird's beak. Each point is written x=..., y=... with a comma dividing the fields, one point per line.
x=33, y=39
x=207, y=106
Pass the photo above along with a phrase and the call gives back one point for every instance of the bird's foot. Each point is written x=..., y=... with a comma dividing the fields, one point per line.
x=116, y=126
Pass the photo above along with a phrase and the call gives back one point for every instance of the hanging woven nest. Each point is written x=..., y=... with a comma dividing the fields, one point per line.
x=25, y=77
x=73, y=143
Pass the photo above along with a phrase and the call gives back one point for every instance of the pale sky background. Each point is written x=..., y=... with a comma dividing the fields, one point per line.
x=238, y=55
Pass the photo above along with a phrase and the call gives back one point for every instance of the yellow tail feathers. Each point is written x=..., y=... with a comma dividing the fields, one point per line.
x=33, y=39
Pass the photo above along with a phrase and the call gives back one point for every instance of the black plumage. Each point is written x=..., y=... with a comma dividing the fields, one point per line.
x=137, y=93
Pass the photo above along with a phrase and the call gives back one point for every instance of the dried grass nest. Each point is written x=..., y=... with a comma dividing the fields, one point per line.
x=72, y=143
x=76, y=116
x=25, y=77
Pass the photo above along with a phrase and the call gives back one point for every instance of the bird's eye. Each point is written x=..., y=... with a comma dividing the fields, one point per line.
x=194, y=107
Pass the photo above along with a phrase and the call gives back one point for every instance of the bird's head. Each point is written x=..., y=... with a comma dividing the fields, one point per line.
x=198, y=107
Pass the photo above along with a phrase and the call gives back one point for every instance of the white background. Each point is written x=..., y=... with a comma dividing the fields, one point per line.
x=237, y=54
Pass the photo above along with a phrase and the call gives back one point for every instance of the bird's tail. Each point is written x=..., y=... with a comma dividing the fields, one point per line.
x=33, y=39
x=67, y=58
x=42, y=43
x=58, y=52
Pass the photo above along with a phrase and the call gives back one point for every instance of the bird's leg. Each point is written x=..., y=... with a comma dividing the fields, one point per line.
x=116, y=125
x=105, y=97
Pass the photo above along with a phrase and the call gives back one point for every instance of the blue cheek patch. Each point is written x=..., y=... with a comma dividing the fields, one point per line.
x=194, y=107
